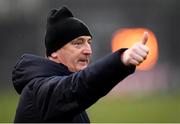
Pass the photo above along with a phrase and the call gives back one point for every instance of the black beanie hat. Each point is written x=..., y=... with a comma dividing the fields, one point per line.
x=62, y=27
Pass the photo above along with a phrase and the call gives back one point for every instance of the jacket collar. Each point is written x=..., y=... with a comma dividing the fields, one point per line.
x=31, y=66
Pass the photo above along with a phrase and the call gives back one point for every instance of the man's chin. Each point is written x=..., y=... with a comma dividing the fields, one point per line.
x=82, y=67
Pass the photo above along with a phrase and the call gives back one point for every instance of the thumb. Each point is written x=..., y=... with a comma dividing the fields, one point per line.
x=144, y=38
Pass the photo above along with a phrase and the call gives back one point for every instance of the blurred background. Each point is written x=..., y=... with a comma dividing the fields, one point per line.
x=150, y=95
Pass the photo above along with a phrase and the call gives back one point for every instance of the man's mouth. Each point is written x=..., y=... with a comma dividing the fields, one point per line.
x=84, y=61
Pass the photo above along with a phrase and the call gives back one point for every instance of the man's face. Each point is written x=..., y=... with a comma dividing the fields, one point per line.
x=76, y=54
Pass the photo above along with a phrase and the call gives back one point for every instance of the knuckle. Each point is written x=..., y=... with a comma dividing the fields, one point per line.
x=131, y=54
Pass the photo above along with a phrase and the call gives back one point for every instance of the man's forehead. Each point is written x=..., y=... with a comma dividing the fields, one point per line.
x=83, y=38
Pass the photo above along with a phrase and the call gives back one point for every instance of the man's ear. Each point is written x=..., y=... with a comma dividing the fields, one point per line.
x=54, y=55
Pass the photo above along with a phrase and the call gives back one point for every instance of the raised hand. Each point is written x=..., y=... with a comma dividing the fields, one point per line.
x=137, y=53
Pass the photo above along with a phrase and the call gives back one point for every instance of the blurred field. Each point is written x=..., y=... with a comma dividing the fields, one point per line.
x=8, y=103
x=163, y=108
x=156, y=108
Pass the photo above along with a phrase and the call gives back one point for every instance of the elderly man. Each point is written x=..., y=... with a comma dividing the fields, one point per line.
x=60, y=87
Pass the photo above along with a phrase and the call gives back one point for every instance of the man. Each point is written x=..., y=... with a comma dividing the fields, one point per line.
x=60, y=87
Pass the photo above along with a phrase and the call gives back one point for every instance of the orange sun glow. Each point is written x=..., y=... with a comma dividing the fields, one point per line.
x=125, y=38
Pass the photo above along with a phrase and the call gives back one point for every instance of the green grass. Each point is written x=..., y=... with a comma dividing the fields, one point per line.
x=147, y=109
x=8, y=103
x=157, y=108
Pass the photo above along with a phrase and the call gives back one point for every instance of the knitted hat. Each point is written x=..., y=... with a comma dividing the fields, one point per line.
x=62, y=27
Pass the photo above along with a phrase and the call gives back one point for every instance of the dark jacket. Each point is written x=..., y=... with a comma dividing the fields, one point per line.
x=51, y=93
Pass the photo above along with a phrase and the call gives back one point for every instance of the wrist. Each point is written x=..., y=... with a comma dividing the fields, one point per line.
x=123, y=58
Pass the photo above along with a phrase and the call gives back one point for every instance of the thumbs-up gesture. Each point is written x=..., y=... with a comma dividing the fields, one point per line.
x=137, y=53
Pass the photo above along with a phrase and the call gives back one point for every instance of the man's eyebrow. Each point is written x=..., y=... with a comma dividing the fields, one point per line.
x=89, y=39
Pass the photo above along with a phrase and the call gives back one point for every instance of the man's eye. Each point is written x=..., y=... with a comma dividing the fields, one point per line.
x=89, y=42
x=76, y=43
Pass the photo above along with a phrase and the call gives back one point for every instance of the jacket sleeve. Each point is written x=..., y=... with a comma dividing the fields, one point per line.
x=68, y=95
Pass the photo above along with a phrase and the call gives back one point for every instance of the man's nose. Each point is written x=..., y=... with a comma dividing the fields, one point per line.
x=87, y=49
